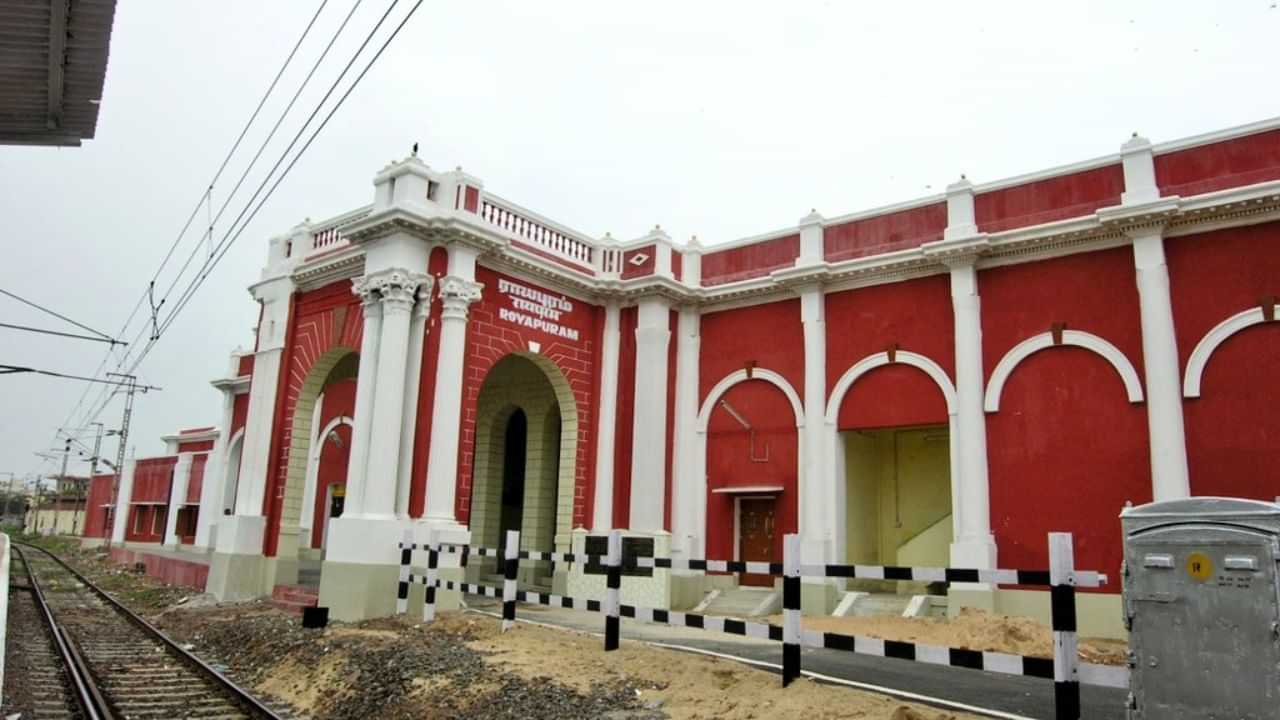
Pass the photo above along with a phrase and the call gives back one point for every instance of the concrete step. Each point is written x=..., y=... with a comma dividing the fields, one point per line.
x=744, y=602
x=878, y=604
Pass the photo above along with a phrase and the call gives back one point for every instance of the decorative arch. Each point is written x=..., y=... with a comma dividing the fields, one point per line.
x=1075, y=338
x=231, y=471
x=880, y=359
x=317, y=443
x=493, y=411
x=1209, y=343
x=733, y=378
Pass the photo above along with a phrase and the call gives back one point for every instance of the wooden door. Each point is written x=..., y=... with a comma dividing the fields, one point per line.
x=755, y=537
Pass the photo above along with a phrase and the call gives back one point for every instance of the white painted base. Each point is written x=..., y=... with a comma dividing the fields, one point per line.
x=653, y=592
x=240, y=534
x=974, y=553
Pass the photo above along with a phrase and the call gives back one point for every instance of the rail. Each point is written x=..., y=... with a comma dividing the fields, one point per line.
x=239, y=695
x=539, y=232
x=1062, y=578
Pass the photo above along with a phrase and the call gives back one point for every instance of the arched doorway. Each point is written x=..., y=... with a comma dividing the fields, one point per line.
x=525, y=451
x=231, y=484
x=338, y=367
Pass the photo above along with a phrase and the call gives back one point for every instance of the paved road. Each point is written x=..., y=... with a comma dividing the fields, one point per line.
x=1012, y=695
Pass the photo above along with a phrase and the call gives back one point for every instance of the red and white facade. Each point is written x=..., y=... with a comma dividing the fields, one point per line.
x=1069, y=340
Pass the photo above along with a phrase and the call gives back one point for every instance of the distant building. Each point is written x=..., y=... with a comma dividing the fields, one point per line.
x=56, y=516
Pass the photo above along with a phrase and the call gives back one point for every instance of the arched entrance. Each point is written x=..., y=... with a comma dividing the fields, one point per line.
x=295, y=562
x=231, y=484
x=525, y=451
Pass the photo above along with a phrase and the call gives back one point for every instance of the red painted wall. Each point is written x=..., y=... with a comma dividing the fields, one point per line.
x=437, y=267
x=1067, y=448
x=672, y=348
x=915, y=315
x=631, y=268
x=322, y=322
x=146, y=523
x=885, y=233
x=97, y=504
x=628, y=319
x=339, y=401
x=490, y=338
x=191, y=447
x=1232, y=429
x=152, y=478
x=750, y=261
x=244, y=366
x=1232, y=163
x=239, y=414
x=196, y=482
x=1042, y=201
x=771, y=335
x=729, y=462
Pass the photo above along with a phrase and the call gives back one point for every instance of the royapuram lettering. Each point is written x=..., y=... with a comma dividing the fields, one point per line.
x=535, y=309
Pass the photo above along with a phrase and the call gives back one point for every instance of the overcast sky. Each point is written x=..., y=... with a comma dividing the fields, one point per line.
x=720, y=119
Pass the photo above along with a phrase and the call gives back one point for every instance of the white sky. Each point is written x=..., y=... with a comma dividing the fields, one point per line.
x=721, y=119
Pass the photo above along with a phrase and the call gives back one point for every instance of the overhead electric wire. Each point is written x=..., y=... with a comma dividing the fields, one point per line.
x=46, y=331
x=231, y=237
x=14, y=369
x=228, y=240
x=60, y=316
x=230, y=153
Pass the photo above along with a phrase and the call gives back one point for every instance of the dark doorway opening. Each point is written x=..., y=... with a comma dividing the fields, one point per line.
x=513, y=457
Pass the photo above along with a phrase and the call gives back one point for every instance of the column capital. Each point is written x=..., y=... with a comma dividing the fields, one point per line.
x=424, y=297
x=457, y=294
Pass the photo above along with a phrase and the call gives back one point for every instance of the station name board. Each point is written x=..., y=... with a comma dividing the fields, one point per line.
x=535, y=309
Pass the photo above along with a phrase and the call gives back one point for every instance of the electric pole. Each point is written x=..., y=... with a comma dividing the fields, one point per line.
x=131, y=386
x=93, y=470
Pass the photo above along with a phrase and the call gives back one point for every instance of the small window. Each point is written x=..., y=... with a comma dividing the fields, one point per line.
x=157, y=527
x=137, y=520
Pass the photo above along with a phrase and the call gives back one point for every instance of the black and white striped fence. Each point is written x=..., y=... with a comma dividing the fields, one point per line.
x=1062, y=579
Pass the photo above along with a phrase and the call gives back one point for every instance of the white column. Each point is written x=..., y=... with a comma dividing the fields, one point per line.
x=124, y=491
x=366, y=375
x=974, y=545
x=1169, y=475
x=397, y=289
x=412, y=383
x=821, y=498
x=177, y=495
x=689, y=486
x=649, y=431
x=257, y=432
x=456, y=295
x=211, y=487
x=602, y=513
x=312, y=477
x=1170, y=478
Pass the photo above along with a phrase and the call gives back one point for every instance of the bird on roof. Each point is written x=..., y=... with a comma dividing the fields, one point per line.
x=415, y=149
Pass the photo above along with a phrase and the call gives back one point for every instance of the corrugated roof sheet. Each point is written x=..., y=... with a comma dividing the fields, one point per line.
x=44, y=103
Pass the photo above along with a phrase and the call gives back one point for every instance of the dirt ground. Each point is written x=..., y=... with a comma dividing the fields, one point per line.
x=462, y=667
x=972, y=629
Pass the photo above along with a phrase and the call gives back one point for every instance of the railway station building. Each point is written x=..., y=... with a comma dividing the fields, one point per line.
x=940, y=382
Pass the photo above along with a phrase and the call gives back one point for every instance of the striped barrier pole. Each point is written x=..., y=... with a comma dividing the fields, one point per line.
x=613, y=583
x=790, y=609
x=511, y=561
x=1062, y=604
x=406, y=558
x=433, y=561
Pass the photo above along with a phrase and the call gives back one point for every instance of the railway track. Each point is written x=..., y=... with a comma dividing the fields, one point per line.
x=115, y=665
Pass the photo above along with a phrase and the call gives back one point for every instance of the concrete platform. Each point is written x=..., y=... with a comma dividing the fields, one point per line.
x=175, y=566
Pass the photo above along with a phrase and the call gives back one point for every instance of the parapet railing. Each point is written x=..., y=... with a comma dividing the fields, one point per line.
x=538, y=232
x=1062, y=579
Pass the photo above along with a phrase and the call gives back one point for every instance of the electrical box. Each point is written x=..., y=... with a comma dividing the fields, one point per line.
x=1202, y=604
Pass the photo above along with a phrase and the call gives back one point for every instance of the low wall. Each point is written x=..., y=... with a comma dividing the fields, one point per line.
x=169, y=569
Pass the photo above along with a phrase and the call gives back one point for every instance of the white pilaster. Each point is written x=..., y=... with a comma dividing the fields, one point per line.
x=275, y=297
x=312, y=477
x=811, y=239
x=456, y=295
x=821, y=498
x=649, y=430
x=1169, y=474
x=124, y=491
x=211, y=488
x=689, y=486
x=602, y=513
x=397, y=289
x=177, y=496
x=366, y=379
x=974, y=545
x=412, y=383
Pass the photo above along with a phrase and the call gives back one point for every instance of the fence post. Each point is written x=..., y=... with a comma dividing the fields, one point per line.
x=613, y=582
x=510, y=563
x=433, y=561
x=1062, y=596
x=406, y=558
x=790, y=609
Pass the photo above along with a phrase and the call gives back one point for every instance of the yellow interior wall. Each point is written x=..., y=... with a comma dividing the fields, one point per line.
x=885, y=511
